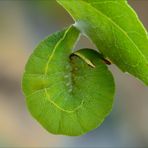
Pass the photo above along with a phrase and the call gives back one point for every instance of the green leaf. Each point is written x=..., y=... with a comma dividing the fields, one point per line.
x=68, y=93
x=116, y=31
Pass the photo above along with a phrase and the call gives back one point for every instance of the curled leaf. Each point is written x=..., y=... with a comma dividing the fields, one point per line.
x=68, y=95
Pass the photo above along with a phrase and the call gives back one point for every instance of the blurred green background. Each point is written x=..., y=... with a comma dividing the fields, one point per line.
x=23, y=23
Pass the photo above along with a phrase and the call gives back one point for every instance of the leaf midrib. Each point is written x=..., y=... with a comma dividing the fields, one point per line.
x=46, y=73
